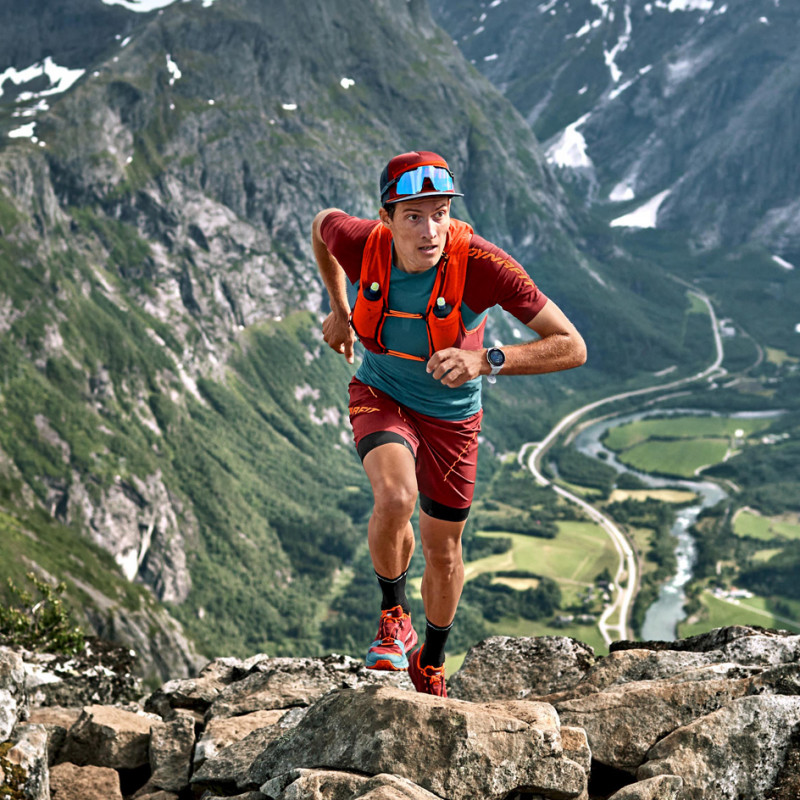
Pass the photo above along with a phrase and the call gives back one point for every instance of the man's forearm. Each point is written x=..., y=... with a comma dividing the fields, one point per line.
x=552, y=353
x=329, y=269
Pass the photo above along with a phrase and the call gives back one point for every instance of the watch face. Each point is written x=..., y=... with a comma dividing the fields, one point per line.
x=496, y=357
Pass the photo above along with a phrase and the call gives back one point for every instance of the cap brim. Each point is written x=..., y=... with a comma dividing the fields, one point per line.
x=422, y=194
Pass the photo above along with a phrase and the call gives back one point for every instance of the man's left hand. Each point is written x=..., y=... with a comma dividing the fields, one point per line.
x=454, y=367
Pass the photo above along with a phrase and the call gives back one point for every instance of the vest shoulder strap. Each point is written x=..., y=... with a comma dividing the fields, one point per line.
x=371, y=306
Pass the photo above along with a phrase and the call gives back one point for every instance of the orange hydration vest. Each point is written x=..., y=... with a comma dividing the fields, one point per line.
x=443, y=313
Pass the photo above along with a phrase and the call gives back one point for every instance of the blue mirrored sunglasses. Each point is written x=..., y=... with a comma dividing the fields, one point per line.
x=412, y=181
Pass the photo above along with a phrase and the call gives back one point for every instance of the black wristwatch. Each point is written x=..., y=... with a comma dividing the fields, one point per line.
x=496, y=358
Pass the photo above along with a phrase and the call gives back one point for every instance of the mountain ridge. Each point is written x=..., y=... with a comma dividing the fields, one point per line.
x=676, y=97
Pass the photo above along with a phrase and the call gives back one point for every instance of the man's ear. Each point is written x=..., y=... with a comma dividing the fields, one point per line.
x=385, y=218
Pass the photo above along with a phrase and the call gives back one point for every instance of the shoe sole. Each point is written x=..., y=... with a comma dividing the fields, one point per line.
x=383, y=664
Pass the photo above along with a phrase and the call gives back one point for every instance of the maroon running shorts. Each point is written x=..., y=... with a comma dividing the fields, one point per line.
x=446, y=451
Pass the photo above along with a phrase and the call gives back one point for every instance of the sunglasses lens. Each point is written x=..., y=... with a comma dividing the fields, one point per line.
x=412, y=182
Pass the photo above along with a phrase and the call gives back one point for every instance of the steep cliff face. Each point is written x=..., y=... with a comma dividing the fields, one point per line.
x=692, y=102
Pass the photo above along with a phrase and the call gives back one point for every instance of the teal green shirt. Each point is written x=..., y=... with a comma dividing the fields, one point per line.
x=404, y=379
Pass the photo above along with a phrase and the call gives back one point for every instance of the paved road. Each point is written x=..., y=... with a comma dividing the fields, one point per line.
x=626, y=579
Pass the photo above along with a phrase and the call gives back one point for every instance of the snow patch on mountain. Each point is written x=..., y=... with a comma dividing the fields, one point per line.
x=688, y=5
x=174, y=70
x=140, y=5
x=586, y=27
x=614, y=93
x=61, y=78
x=622, y=192
x=143, y=6
x=622, y=43
x=23, y=132
x=643, y=217
x=569, y=150
x=782, y=263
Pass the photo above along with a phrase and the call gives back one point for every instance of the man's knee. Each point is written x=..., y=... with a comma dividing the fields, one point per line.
x=443, y=557
x=395, y=500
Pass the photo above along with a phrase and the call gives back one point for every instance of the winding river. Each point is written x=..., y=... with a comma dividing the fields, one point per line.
x=663, y=616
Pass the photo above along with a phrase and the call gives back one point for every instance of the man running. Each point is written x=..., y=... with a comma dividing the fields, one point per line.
x=425, y=284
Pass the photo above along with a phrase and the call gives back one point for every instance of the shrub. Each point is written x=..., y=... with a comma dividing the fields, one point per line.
x=41, y=623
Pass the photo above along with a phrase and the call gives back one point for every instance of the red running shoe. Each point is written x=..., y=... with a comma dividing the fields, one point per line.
x=428, y=680
x=396, y=636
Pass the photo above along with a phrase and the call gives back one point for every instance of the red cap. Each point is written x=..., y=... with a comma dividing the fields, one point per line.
x=406, y=162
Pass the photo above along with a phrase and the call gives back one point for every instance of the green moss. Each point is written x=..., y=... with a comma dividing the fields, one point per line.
x=13, y=786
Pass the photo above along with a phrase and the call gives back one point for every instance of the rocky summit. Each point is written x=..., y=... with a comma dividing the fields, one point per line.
x=716, y=715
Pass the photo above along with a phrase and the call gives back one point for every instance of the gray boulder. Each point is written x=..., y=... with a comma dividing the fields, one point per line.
x=664, y=787
x=106, y=736
x=752, y=644
x=23, y=764
x=242, y=796
x=392, y=787
x=221, y=733
x=275, y=683
x=13, y=701
x=787, y=784
x=229, y=769
x=734, y=752
x=56, y=721
x=70, y=782
x=452, y=748
x=171, y=745
x=504, y=667
x=229, y=687
x=629, y=666
x=195, y=694
x=314, y=784
x=623, y=722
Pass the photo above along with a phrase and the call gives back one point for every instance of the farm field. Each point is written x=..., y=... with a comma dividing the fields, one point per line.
x=579, y=552
x=574, y=558
x=683, y=458
x=720, y=613
x=678, y=496
x=680, y=445
x=681, y=427
x=755, y=526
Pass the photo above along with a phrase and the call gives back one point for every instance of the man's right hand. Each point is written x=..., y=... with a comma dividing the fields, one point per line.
x=338, y=334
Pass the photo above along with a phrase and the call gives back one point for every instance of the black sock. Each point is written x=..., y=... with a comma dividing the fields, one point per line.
x=394, y=592
x=435, y=639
